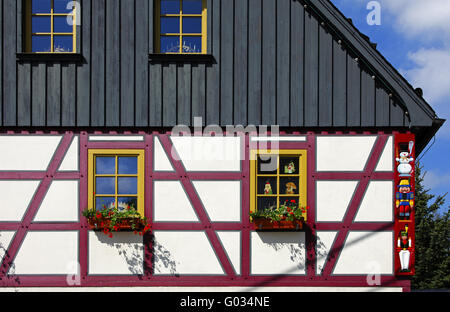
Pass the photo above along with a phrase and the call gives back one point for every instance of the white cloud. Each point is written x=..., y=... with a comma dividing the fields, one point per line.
x=431, y=73
x=413, y=18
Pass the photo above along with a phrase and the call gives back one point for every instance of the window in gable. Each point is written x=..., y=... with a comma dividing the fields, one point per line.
x=181, y=26
x=50, y=26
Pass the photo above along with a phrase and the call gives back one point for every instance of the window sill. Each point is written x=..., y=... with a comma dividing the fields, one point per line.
x=182, y=58
x=50, y=57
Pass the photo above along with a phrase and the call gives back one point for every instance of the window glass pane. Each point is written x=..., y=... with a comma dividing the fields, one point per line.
x=170, y=44
x=127, y=185
x=289, y=185
x=60, y=6
x=267, y=185
x=105, y=165
x=170, y=6
x=289, y=165
x=41, y=6
x=41, y=24
x=63, y=43
x=267, y=164
x=192, y=25
x=267, y=203
x=61, y=24
x=192, y=6
x=192, y=44
x=127, y=202
x=105, y=186
x=41, y=44
x=127, y=165
x=170, y=25
x=104, y=202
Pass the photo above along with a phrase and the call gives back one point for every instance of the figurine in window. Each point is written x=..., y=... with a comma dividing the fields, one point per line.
x=404, y=242
x=290, y=188
x=404, y=200
x=290, y=168
x=268, y=189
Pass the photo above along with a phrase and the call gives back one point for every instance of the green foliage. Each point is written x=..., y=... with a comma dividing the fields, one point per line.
x=432, y=239
x=289, y=211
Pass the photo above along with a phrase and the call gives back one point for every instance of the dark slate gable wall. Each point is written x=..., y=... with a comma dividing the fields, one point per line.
x=275, y=63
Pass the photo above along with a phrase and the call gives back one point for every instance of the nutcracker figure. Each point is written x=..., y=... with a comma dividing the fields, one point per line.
x=404, y=242
x=404, y=200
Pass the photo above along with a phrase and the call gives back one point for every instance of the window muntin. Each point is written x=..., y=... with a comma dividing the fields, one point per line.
x=116, y=179
x=274, y=181
x=50, y=26
x=181, y=21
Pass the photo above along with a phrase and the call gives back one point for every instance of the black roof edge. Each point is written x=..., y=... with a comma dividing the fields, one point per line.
x=419, y=112
x=425, y=134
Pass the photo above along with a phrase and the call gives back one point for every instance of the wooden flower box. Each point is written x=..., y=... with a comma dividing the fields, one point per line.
x=266, y=224
x=125, y=224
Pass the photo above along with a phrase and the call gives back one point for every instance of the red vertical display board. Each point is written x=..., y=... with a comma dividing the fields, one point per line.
x=404, y=204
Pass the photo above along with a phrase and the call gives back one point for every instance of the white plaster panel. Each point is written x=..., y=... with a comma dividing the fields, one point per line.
x=70, y=161
x=350, y=153
x=221, y=199
x=279, y=139
x=333, y=199
x=231, y=242
x=377, y=205
x=54, y=252
x=60, y=203
x=387, y=157
x=209, y=153
x=184, y=252
x=366, y=253
x=278, y=253
x=161, y=161
x=5, y=240
x=15, y=197
x=138, y=138
x=122, y=254
x=172, y=203
x=325, y=241
x=27, y=153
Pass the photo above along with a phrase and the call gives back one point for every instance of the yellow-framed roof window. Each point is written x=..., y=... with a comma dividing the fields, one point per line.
x=181, y=26
x=50, y=26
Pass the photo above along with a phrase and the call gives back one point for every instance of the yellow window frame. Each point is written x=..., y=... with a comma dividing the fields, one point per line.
x=140, y=154
x=29, y=34
x=158, y=34
x=301, y=175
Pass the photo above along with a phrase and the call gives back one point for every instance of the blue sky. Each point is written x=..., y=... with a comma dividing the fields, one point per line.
x=414, y=36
